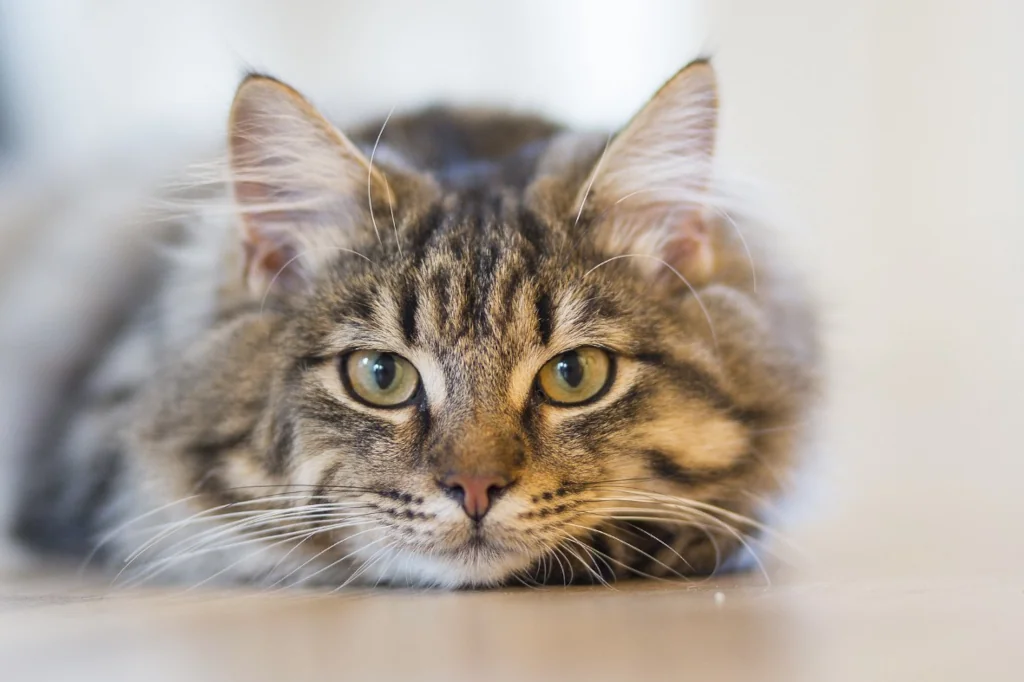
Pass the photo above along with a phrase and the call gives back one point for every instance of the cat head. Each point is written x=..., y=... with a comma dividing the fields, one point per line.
x=462, y=377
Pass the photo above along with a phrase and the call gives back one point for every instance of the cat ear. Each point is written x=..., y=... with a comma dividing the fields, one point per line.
x=648, y=193
x=300, y=186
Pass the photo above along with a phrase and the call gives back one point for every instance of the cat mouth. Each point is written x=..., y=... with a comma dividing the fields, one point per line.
x=480, y=542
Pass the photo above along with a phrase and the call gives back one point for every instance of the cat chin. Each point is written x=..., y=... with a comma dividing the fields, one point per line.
x=412, y=569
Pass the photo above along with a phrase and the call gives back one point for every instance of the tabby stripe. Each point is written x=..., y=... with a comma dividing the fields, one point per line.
x=665, y=467
x=423, y=410
x=410, y=303
x=281, y=445
x=694, y=378
x=206, y=458
x=325, y=483
x=544, y=321
x=211, y=449
x=425, y=228
x=361, y=304
x=509, y=292
x=532, y=230
x=440, y=283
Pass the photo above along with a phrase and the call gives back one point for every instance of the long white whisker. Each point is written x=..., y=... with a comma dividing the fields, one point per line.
x=366, y=565
x=632, y=569
x=275, y=544
x=369, y=176
x=590, y=182
x=335, y=563
x=107, y=537
x=557, y=551
x=258, y=537
x=636, y=528
x=719, y=523
x=595, y=572
x=204, y=513
x=628, y=516
x=220, y=529
x=703, y=506
x=628, y=545
x=384, y=571
x=312, y=508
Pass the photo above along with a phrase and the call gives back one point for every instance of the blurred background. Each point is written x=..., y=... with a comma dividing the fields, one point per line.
x=891, y=135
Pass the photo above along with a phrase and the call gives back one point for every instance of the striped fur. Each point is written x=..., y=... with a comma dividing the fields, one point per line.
x=214, y=441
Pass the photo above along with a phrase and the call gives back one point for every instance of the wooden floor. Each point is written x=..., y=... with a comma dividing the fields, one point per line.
x=739, y=630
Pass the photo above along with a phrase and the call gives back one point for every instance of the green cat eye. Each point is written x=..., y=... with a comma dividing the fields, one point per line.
x=576, y=376
x=380, y=379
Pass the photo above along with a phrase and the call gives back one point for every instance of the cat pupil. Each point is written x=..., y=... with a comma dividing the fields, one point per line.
x=384, y=371
x=570, y=369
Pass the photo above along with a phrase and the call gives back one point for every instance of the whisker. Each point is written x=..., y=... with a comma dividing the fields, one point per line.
x=629, y=546
x=631, y=569
x=365, y=566
x=286, y=538
x=369, y=176
x=253, y=537
x=719, y=523
x=204, y=513
x=275, y=544
x=593, y=177
x=595, y=571
x=387, y=568
x=557, y=551
x=334, y=563
x=310, y=509
x=704, y=506
x=218, y=530
x=634, y=527
x=107, y=537
x=258, y=524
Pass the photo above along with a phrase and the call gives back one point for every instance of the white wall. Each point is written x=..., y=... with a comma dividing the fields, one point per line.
x=86, y=73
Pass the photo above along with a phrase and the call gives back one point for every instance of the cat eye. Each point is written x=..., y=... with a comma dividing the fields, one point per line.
x=577, y=376
x=380, y=379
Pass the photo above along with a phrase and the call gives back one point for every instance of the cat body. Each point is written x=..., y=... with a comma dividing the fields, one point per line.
x=456, y=348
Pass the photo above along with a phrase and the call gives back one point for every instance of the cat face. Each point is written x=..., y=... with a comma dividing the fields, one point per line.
x=466, y=382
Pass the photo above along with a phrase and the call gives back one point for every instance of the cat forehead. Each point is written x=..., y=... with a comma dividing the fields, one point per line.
x=484, y=218
x=465, y=292
x=461, y=293
x=477, y=272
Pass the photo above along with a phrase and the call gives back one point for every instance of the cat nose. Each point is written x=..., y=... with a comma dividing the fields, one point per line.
x=475, y=493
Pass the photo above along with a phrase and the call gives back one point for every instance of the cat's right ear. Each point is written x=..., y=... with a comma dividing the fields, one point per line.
x=300, y=186
x=649, y=193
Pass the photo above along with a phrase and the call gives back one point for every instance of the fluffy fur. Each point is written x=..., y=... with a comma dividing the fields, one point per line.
x=216, y=441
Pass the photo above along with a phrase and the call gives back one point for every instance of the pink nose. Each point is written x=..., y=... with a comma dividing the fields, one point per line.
x=476, y=494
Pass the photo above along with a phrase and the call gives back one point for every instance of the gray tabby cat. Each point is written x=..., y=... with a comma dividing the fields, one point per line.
x=459, y=349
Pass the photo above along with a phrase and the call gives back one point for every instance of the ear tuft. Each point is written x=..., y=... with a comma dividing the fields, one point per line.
x=649, y=192
x=299, y=184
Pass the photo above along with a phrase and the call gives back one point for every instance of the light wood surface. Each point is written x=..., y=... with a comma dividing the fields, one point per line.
x=724, y=631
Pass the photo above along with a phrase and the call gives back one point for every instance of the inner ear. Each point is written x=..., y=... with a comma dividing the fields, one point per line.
x=648, y=195
x=301, y=187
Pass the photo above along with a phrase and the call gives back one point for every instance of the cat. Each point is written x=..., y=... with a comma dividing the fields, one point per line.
x=457, y=348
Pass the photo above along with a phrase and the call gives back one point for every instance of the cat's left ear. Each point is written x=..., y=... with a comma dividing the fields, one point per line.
x=648, y=194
